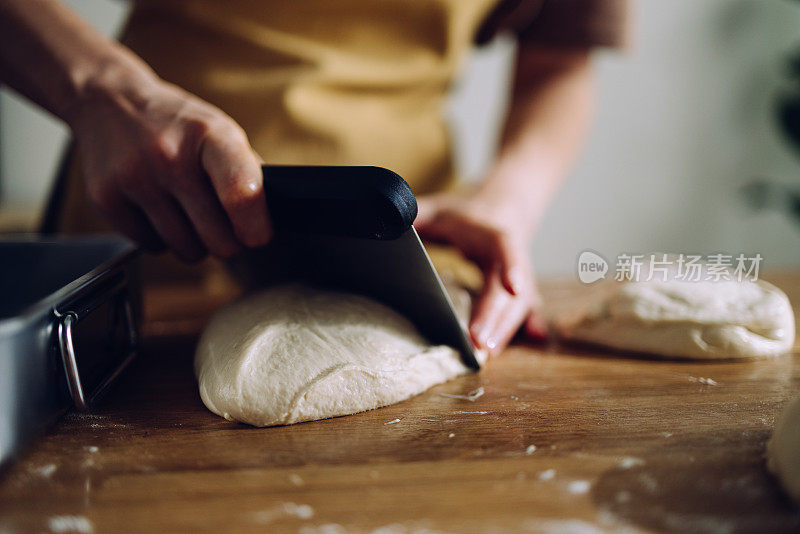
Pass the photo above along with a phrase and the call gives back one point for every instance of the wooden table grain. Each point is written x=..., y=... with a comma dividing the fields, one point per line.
x=562, y=440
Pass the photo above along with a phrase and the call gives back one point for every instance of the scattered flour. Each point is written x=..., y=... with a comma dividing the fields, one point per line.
x=472, y=396
x=548, y=474
x=629, y=462
x=571, y=526
x=579, y=487
x=287, y=509
x=44, y=470
x=704, y=380
x=70, y=523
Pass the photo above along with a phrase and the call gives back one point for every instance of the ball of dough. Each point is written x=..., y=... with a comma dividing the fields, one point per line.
x=685, y=319
x=783, y=450
x=294, y=353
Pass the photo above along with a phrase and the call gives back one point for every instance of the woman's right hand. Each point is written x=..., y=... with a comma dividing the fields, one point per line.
x=167, y=169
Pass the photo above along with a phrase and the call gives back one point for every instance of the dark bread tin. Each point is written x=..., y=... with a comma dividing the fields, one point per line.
x=70, y=310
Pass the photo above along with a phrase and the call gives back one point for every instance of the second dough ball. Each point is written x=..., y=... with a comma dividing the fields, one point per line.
x=683, y=319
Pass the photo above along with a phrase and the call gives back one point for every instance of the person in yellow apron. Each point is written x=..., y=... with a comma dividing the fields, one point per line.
x=172, y=123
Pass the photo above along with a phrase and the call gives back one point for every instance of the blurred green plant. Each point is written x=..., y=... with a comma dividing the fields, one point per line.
x=762, y=193
x=788, y=105
x=788, y=115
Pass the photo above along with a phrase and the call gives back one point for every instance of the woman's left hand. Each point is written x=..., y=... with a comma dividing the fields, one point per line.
x=499, y=247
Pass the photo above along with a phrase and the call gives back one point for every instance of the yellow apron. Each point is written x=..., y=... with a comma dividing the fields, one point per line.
x=333, y=82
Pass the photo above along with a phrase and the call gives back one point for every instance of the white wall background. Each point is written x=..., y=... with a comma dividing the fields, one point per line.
x=683, y=120
x=31, y=140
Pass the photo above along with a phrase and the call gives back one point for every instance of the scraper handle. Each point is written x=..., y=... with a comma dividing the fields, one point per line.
x=365, y=202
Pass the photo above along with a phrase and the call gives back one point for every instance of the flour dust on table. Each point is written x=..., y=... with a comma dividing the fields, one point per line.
x=293, y=353
x=705, y=319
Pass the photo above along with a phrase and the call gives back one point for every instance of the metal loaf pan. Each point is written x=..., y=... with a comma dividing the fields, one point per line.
x=69, y=315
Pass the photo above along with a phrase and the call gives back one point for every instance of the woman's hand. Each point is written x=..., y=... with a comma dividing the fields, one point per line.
x=162, y=166
x=166, y=168
x=499, y=247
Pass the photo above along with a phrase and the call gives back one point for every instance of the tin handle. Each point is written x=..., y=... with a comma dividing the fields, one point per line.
x=83, y=400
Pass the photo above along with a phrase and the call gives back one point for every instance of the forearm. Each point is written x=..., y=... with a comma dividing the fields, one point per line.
x=548, y=115
x=53, y=57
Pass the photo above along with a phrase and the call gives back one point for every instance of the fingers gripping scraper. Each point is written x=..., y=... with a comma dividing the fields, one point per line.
x=351, y=228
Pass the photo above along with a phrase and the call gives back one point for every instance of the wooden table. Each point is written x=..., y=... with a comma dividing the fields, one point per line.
x=563, y=440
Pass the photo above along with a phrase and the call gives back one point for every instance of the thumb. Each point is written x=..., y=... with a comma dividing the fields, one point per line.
x=535, y=325
x=428, y=207
x=425, y=214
